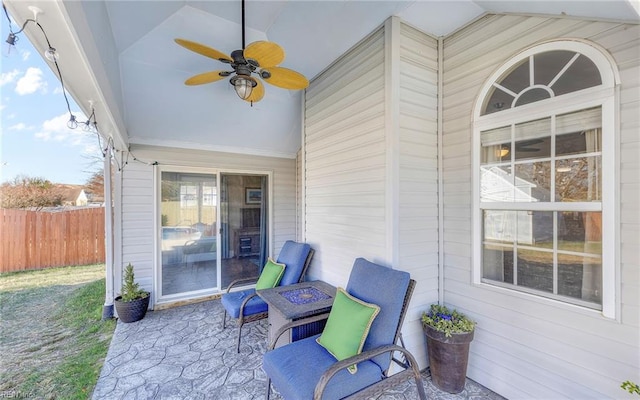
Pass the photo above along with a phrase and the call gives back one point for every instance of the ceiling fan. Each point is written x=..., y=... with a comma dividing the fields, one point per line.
x=260, y=58
x=524, y=146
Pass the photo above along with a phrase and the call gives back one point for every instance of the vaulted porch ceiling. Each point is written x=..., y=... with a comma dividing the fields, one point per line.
x=121, y=56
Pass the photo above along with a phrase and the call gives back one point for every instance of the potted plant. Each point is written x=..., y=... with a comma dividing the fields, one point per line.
x=631, y=387
x=133, y=302
x=448, y=335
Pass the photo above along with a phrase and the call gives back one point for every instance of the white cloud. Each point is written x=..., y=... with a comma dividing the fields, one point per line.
x=91, y=149
x=8, y=77
x=56, y=129
x=25, y=54
x=57, y=90
x=21, y=126
x=30, y=82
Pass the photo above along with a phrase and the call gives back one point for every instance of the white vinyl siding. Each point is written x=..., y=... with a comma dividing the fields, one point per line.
x=525, y=347
x=417, y=245
x=371, y=164
x=344, y=169
x=137, y=198
x=137, y=234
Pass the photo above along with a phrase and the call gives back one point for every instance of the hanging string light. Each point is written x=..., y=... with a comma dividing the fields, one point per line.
x=51, y=54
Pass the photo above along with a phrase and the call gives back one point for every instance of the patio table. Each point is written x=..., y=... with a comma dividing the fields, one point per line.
x=293, y=302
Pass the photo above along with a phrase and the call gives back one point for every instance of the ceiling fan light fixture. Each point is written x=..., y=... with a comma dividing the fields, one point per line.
x=501, y=152
x=243, y=84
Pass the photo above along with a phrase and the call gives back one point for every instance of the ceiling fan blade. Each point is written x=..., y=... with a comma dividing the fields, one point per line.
x=267, y=54
x=257, y=94
x=204, y=50
x=206, y=77
x=286, y=78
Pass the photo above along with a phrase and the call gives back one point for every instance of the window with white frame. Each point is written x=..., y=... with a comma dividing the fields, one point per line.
x=188, y=195
x=544, y=139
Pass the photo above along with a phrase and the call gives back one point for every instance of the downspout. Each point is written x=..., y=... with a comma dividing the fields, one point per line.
x=440, y=178
x=107, y=309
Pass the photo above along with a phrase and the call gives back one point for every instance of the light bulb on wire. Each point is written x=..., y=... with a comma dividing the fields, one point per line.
x=72, y=123
x=10, y=43
x=51, y=54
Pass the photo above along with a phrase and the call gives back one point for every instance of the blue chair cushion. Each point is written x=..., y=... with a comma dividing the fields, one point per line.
x=295, y=369
x=293, y=255
x=385, y=287
x=232, y=301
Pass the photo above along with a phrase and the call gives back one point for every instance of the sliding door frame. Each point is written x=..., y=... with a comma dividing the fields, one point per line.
x=157, y=225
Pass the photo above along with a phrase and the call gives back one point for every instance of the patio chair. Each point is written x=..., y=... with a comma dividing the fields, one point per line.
x=304, y=369
x=246, y=305
x=199, y=250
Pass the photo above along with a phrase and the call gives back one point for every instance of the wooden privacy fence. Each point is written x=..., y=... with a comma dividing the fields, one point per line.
x=38, y=239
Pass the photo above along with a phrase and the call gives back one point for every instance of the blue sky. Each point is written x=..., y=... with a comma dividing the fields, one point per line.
x=34, y=138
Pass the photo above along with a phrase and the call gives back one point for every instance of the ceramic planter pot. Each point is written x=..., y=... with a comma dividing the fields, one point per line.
x=131, y=311
x=448, y=358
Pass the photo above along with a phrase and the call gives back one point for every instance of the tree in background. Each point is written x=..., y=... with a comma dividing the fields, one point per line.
x=30, y=192
x=94, y=187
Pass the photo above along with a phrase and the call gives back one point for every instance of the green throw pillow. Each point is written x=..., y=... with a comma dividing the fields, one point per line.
x=271, y=275
x=347, y=326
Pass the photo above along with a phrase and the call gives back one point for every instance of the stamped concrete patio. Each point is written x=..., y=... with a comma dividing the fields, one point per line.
x=183, y=353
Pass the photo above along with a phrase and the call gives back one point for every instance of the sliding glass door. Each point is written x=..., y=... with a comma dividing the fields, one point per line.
x=189, y=224
x=213, y=230
x=243, y=227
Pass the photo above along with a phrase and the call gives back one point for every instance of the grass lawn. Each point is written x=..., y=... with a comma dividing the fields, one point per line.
x=52, y=339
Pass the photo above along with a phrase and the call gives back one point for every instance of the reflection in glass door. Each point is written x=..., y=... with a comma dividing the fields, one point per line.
x=188, y=209
x=243, y=226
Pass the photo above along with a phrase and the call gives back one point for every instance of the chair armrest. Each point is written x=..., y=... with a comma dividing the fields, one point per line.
x=367, y=355
x=245, y=301
x=290, y=325
x=245, y=281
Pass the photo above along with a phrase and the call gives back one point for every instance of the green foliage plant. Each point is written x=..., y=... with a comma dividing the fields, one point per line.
x=30, y=192
x=130, y=289
x=631, y=387
x=447, y=321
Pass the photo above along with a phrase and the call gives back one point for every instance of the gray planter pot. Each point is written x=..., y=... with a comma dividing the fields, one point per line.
x=448, y=359
x=131, y=311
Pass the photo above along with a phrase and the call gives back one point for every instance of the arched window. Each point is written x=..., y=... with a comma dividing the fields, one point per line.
x=544, y=175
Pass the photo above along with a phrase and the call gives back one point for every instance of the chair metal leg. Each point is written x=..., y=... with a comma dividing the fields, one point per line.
x=224, y=319
x=239, y=334
x=268, y=388
x=421, y=394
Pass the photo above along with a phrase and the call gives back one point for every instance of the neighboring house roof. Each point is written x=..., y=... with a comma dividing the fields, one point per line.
x=73, y=194
x=496, y=185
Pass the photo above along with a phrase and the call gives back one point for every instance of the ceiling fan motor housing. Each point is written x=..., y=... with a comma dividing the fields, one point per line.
x=243, y=76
